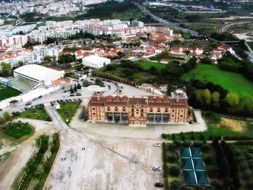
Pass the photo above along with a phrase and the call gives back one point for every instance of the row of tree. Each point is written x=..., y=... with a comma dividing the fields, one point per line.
x=213, y=97
x=227, y=165
x=229, y=63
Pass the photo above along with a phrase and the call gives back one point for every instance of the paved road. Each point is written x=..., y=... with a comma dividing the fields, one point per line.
x=227, y=26
x=165, y=22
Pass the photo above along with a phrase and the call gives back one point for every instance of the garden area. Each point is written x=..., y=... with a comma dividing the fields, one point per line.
x=38, y=113
x=16, y=131
x=68, y=109
x=34, y=175
x=228, y=165
x=7, y=92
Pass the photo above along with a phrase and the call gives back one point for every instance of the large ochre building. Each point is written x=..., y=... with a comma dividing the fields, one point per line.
x=139, y=111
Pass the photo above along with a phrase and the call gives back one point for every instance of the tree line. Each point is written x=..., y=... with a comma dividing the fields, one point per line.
x=213, y=97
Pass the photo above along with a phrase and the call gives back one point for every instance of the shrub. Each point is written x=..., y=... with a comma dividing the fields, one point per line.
x=186, y=143
x=247, y=174
x=172, y=158
x=165, y=170
x=172, y=147
x=209, y=160
x=174, y=171
x=212, y=171
x=205, y=147
x=177, y=143
x=197, y=143
x=175, y=185
x=216, y=185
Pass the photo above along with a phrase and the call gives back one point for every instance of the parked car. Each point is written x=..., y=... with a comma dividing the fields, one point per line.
x=28, y=104
x=157, y=168
x=158, y=184
x=78, y=94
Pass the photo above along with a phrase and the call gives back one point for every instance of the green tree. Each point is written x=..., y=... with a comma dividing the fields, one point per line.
x=2, y=121
x=6, y=69
x=216, y=98
x=7, y=116
x=199, y=96
x=232, y=99
x=207, y=96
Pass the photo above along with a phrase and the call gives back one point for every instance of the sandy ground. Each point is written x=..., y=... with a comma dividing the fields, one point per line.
x=105, y=164
x=11, y=167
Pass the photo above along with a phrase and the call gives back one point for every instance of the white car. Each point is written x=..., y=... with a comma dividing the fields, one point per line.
x=157, y=168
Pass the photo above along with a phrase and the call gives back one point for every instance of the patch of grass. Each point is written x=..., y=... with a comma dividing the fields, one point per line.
x=37, y=113
x=17, y=130
x=149, y=64
x=7, y=92
x=68, y=110
x=233, y=82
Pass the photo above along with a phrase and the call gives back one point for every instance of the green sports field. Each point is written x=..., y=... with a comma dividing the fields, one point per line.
x=233, y=82
x=7, y=92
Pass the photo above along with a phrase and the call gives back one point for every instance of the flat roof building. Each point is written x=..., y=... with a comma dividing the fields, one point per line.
x=95, y=61
x=39, y=74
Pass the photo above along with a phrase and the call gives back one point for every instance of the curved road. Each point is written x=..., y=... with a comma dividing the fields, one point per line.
x=165, y=22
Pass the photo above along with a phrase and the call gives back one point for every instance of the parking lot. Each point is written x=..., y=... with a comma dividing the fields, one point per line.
x=100, y=163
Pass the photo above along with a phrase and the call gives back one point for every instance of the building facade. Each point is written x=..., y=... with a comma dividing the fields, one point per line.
x=139, y=111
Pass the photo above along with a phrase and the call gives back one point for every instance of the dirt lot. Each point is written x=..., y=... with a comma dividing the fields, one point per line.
x=105, y=164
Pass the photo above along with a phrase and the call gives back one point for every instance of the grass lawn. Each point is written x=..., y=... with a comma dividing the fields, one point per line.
x=7, y=92
x=38, y=113
x=17, y=130
x=149, y=64
x=233, y=82
x=68, y=110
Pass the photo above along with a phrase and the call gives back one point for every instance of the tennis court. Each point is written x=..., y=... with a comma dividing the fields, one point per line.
x=193, y=166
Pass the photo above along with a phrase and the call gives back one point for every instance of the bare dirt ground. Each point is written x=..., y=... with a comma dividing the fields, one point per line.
x=115, y=157
x=11, y=167
x=105, y=164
